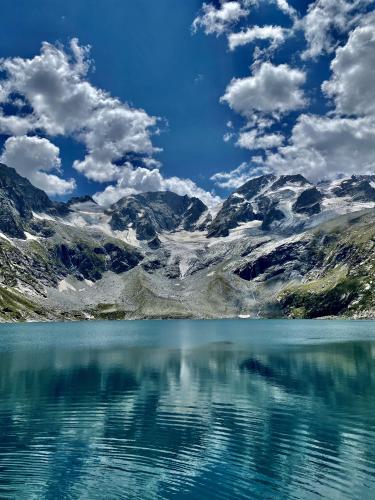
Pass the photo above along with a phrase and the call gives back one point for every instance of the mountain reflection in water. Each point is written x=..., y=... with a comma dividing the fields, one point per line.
x=221, y=420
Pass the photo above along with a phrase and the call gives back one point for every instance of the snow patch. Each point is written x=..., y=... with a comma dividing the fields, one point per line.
x=128, y=236
x=43, y=216
x=64, y=286
x=183, y=247
x=31, y=236
x=2, y=235
x=202, y=218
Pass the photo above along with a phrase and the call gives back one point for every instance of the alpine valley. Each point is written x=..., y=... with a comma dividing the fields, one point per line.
x=277, y=247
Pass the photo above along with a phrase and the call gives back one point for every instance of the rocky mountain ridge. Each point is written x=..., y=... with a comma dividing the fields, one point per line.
x=277, y=247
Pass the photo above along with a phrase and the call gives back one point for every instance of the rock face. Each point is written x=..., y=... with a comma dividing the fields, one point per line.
x=238, y=208
x=84, y=260
x=308, y=202
x=278, y=247
x=286, y=257
x=267, y=199
x=290, y=203
x=18, y=199
x=357, y=188
x=151, y=213
x=285, y=180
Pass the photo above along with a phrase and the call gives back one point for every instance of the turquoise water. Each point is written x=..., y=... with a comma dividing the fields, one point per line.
x=188, y=410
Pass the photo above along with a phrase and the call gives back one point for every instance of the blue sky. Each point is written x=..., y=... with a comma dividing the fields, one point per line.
x=145, y=54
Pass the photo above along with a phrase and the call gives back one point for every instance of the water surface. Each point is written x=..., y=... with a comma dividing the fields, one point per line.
x=188, y=410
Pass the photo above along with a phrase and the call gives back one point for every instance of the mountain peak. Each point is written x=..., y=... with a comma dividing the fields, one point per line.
x=18, y=199
x=148, y=254
x=149, y=213
x=283, y=180
x=81, y=199
x=254, y=185
x=289, y=203
x=358, y=188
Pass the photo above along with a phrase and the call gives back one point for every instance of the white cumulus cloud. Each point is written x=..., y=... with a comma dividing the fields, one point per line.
x=270, y=89
x=34, y=158
x=237, y=177
x=141, y=180
x=353, y=72
x=276, y=34
x=322, y=147
x=63, y=102
x=284, y=6
x=324, y=18
x=255, y=140
x=342, y=141
x=218, y=20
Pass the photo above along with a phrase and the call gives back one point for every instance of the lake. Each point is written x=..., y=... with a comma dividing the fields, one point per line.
x=188, y=410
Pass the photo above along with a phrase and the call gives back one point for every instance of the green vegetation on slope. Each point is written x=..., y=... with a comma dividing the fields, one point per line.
x=15, y=307
x=343, y=283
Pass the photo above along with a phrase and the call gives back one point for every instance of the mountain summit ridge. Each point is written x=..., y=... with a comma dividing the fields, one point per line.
x=277, y=246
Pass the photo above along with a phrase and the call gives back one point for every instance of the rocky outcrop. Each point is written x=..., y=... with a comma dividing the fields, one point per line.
x=151, y=213
x=270, y=213
x=308, y=202
x=85, y=260
x=357, y=188
x=265, y=198
x=287, y=258
x=238, y=208
x=290, y=203
x=285, y=180
x=18, y=199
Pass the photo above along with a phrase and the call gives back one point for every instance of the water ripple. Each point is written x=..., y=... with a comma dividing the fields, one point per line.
x=221, y=421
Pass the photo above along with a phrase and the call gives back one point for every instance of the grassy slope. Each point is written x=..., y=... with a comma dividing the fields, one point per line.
x=344, y=283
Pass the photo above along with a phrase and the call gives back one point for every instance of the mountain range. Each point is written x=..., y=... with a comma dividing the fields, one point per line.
x=276, y=247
